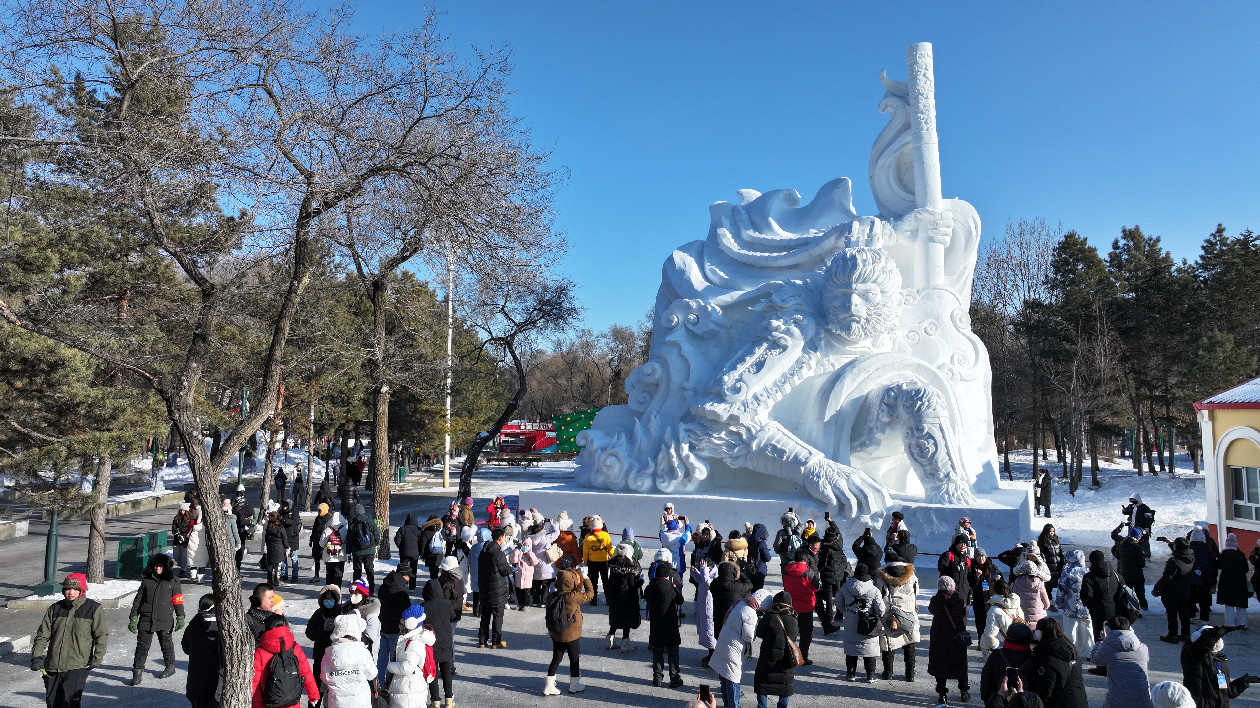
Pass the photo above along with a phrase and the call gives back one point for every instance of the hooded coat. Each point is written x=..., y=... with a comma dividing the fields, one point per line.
x=775, y=674
x=492, y=568
x=1199, y=664
x=868, y=553
x=538, y=543
x=899, y=588
x=433, y=525
x=1031, y=589
x=198, y=551
x=440, y=614
x=623, y=589
x=578, y=591
x=1057, y=676
x=957, y=566
x=728, y=588
x=833, y=564
x=946, y=658
x=1068, y=596
x=802, y=584
x=412, y=674
x=1174, y=583
x=276, y=540
x=856, y=596
x=200, y=642
x=407, y=538
x=703, y=576
x=474, y=558
x=159, y=600
x=663, y=595
x=1098, y=591
x=1126, y=659
x=319, y=627
x=1004, y=613
x=347, y=668
x=270, y=644
x=759, y=550
x=739, y=630
x=1052, y=553
x=1233, y=589
x=395, y=598
x=1204, y=574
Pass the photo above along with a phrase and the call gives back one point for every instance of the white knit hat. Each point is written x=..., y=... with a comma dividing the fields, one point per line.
x=348, y=625
x=563, y=522
x=448, y=564
x=664, y=556
x=625, y=549
x=1170, y=694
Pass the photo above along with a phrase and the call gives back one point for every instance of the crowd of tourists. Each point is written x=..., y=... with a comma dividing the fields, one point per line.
x=1042, y=616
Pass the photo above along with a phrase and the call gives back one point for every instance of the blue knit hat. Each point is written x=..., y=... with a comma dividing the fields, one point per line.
x=413, y=616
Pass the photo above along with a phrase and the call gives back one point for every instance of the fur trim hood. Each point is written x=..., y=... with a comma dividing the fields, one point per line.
x=736, y=544
x=904, y=573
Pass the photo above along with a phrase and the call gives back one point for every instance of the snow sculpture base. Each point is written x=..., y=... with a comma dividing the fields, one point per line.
x=1001, y=517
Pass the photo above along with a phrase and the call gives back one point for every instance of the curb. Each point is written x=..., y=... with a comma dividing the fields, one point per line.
x=15, y=644
x=43, y=603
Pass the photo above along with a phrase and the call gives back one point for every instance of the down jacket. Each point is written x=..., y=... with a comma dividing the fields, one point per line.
x=738, y=631
x=579, y=592
x=440, y=614
x=1004, y=613
x=270, y=644
x=663, y=595
x=623, y=589
x=1199, y=666
x=1233, y=589
x=899, y=587
x=1058, y=675
x=160, y=598
x=729, y=588
x=407, y=538
x=1126, y=658
x=1031, y=589
x=492, y=568
x=347, y=668
x=415, y=669
x=802, y=584
x=946, y=659
x=858, y=596
x=703, y=576
x=775, y=675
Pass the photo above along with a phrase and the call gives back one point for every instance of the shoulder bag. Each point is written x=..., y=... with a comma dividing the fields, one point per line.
x=792, y=651
x=962, y=636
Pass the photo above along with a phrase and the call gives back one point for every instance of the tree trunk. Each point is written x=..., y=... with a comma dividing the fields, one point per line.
x=310, y=457
x=473, y=452
x=1093, y=456
x=268, y=477
x=1146, y=450
x=1172, y=446
x=379, y=463
x=1059, y=443
x=1006, y=451
x=96, y=521
x=1194, y=456
x=216, y=441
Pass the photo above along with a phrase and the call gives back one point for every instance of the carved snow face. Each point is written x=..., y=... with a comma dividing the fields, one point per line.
x=861, y=294
x=852, y=310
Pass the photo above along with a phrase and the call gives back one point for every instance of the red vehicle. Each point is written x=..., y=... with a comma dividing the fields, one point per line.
x=524, y=437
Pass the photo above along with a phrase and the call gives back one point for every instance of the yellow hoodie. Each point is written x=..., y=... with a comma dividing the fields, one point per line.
x=597, y=547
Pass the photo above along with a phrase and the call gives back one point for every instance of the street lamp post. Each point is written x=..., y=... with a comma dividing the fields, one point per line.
x=49, y=586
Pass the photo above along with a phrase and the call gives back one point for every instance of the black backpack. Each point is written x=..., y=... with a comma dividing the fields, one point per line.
x=283, y=684
x=361, y=532
x=867, y=621
x=558, y=617
x=1127, y=605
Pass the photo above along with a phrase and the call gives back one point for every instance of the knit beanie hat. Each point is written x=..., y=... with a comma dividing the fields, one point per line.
x=664, y=556
x=468, y=501
x=627, y=534
x=1019, y=633
x=449, y=564
x=322, y=508
x=1170, y=694
x=360, y=586
x=184, y=506
x=413, y=616
x=240, y=487
x=625, y=550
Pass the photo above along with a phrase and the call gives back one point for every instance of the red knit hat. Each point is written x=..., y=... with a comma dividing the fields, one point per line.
x=75, y=580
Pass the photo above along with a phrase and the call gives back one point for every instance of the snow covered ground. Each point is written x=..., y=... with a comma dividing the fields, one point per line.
x=108, y=590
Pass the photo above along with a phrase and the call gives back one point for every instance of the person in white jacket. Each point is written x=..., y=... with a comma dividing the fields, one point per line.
x=347, y=669
x=333, y=545
x=415, y=668
x=738, y=632
x=198, y=551
x=1004, y=612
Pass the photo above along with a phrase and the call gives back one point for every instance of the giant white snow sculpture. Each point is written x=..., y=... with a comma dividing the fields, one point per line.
x=806, y=346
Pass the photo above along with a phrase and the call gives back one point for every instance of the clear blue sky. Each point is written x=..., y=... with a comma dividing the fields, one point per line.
x=1095, y=115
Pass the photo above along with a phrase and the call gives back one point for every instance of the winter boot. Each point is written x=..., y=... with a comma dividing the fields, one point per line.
x=550, y=689
x=168, y=672
x=608, y=644
x=675, y=680
x=910, y=657
x=626, y=646
x=450, y=703
x=136, y=676
x=887, y=656
x=575, y=684
x=435, y=704
x=965, y=696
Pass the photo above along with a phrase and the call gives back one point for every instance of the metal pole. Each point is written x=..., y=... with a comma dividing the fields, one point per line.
x=450, y=336
x=49, y=586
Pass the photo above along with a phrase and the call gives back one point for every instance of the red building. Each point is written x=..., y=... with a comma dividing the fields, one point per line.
x=524, y=436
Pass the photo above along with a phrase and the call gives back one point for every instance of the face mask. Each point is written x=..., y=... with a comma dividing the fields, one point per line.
x=356, y=598
x=1037, y=635
x=329, y=604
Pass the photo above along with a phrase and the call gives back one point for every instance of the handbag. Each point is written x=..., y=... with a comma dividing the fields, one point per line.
x=380, y=696
x=554, y=553
x=792, y=651
x=962, y=636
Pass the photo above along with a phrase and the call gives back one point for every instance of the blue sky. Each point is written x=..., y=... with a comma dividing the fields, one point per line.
x=1095, y=115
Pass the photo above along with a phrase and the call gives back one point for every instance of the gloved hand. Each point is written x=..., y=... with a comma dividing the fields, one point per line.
x=1251, y=679
x=37, y=663
x=134, y=625
x=1231, y=629
x=179, y=622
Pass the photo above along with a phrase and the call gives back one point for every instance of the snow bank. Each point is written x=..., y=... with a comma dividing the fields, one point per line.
x=108, y=590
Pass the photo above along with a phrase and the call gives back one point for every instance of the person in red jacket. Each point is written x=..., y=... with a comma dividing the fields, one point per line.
x=493, y=520
x=275, y=637
x=802, y=583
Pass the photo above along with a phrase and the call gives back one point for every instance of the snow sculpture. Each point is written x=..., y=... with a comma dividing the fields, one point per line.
x=806, y=345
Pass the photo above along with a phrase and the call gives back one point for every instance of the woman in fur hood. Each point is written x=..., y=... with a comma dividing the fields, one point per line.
x=899, y=587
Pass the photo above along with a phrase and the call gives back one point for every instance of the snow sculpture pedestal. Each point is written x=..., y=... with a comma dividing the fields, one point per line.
x=803, y=355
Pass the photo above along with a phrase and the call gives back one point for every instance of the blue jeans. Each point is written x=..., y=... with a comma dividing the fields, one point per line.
x=764, y=701
x=388, y=643
x=730, y=693
x=290, y=563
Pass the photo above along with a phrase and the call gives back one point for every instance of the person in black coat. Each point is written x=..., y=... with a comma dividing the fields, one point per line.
x=299, y=490
x=834, y=570
x=320, y=626
x=492, y=568
x=293, y=532
x=200, y=642
x=1015, y=652
x=775, y=674
x=1232, y=591
x=727, y=589
x=1011, y=557
x=394, y=598
x=276, y=540
x=1141, y=517
x=759, y=554
x=1130, y=561
x=664, y=596
x=432, y=525
x=1203, y=577
x=440, y=614
x=1042, y=486
x=956, y=564
x=1201, y=662
x=322, y=518
x=245, y=521
x=981, y=577
x=158, y=608
x=282, y=480
x=1052, y=554
x=324, y=495
x=407, y=541
x=947, y=659
x=1098, y=592
x=1254, y=559
x=903, y=551
x=1057, y=677
x=868, y=552
x=624, y=587
x=1173, y=588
